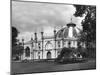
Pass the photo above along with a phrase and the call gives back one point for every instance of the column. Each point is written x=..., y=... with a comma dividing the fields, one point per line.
x=35, y=44
x=23, y=48
x=31, y=52
x=42, y=38
x=55, y=41
x=62, y=39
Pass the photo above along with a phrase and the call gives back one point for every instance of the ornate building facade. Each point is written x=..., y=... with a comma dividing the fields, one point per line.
x=49, y=47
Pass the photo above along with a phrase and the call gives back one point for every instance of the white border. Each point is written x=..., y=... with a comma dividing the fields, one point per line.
x=5, y=37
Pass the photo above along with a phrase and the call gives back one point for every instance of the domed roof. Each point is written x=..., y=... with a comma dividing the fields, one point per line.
x=63, y=32
x=69, y=31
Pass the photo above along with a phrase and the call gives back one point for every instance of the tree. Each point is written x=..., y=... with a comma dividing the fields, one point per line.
x=64, y=51
x=17, y=51
x=89, y=23
x=14, y=35
x=15, y=48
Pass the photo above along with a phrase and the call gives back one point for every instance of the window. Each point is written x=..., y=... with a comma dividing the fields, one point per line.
x=64, y=42
x=58, y=43
x=39, y=46
x=38, y=52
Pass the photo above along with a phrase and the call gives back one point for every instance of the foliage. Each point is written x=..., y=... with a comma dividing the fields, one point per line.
x=17, y=50
x=14, y=35
x=89, y=23
x=65, y=51
x=82, y=37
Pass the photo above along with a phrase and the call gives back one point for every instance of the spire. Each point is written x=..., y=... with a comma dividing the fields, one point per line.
x=71, y=23
x=35, y=36
x=23, y=41
x=32, y=41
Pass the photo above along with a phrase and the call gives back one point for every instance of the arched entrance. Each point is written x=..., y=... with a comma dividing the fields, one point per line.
x=48, y=55
x=27, y=52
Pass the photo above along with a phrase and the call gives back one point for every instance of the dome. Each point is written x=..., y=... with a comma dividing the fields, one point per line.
x=69, y=31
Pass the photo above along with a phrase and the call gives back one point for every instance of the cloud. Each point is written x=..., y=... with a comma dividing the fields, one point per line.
x=30, y=17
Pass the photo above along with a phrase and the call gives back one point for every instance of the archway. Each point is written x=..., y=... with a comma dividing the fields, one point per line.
x=48, y=55
x=27, y=52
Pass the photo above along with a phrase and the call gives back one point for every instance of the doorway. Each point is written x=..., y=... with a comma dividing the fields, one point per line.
x=48, y=55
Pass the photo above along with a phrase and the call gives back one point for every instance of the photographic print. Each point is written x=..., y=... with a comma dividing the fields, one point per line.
x=52, y=37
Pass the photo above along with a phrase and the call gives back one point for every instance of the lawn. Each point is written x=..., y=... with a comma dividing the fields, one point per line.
x=35, y=67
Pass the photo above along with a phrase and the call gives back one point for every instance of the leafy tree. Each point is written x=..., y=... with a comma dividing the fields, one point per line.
x=14, y=35
x=88, y=34
x=89, y=23
x=64, y=51
x=17, y=50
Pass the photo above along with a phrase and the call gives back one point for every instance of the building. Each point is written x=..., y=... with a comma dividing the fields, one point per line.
x=49, y=47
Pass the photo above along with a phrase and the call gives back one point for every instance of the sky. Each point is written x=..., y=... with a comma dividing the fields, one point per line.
x=30, y=17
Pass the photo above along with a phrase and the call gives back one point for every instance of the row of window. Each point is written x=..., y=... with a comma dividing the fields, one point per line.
x=58, y=43
x=27, y=52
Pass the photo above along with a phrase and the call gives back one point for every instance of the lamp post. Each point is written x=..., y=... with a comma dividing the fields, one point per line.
x=42, y=42
x=55, y=41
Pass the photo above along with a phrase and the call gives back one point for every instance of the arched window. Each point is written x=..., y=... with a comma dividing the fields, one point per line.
x=48, y=45
x=27, y=51
x=39, y=45
x=69, y=44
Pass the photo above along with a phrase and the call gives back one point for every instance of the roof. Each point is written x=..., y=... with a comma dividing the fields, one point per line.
x=64, y=32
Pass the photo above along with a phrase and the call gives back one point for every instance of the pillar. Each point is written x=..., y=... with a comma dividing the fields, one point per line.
x=55, y=41
x=31, y=52
x=42, y=38
x=62, y=39
x=35, y=38
x=23, y=48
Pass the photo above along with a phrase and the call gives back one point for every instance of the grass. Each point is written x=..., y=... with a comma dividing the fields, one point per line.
x=38, y=67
